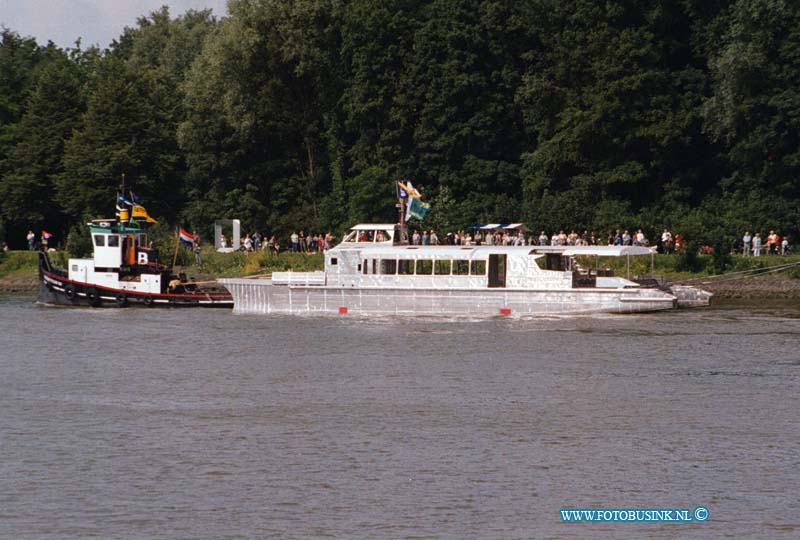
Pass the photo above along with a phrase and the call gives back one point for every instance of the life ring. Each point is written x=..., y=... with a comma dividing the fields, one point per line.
x=69, y=292
x=92, y=296
x=148, y=301
x=122, y=300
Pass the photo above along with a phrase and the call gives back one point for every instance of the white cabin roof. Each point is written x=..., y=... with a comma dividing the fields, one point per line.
x=435, y=252
x=381, y=250
x=372, y=227
x=600, y=251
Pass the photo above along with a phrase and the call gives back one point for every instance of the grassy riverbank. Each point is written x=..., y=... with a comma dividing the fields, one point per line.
x=18, y=269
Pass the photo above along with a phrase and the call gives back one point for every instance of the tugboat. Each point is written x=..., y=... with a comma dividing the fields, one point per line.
x=123, y=271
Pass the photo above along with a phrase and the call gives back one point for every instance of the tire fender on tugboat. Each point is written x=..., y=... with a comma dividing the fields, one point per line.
x=122, y=300
x=92, y=296
x=148, y=301
x=69, y=292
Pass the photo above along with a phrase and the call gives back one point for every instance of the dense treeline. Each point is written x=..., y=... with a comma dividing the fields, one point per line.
x=301, y=114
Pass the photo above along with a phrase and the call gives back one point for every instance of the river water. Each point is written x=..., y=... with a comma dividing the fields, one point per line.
x=201, y=424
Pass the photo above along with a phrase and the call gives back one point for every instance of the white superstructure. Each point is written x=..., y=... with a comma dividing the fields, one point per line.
x=116, y=246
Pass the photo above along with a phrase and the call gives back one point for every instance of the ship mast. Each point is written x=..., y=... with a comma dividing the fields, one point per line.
x=124, y=211
x=400, y=230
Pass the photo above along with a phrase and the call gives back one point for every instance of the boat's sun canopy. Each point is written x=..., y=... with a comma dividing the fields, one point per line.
x=600, y=251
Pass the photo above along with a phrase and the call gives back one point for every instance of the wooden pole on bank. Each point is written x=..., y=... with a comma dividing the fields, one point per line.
x=177, y=243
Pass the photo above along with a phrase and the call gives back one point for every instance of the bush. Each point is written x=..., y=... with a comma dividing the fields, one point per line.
x=240, y=263
x=721, y=257
x=688, y=260
x=79, y=241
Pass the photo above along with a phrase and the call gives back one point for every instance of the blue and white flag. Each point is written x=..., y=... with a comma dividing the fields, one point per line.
x=123, y=200
x=402, y=192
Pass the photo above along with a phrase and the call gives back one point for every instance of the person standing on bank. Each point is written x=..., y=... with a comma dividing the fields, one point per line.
x=198, y=257
x=746, y=239
x=757, y=245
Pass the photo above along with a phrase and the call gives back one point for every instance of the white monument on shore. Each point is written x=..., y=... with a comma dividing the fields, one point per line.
x=232, y=243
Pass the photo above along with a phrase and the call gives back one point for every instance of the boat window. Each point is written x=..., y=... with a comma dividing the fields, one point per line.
x=388, y=266
x=113, y=241
x=334, y=261
x=380, y=237
x=424, y=267
x=442, y=268
x=478, y=268
x=364, y=266
x=374, y=266
x=554, y=261
x=405, y=267
x=460, y=268
x=99, y=240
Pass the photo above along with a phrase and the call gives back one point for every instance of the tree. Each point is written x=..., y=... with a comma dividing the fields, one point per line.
x=253, y=134
x=52, y=112
x=468, y=133
x=612, y=98
x=752, y=112
x=18, y=58
x=129, y=127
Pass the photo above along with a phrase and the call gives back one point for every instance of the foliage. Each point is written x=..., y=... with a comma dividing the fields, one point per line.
x=19, y=261
x=79, y=241
x=688, y=259
x=301, y=115
x=240, y=263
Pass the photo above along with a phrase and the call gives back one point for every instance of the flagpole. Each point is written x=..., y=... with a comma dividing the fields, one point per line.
x=401, y=223
x=177, y=243
x=130, y=211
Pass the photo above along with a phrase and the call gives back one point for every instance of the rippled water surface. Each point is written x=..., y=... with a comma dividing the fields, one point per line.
x=184, y=424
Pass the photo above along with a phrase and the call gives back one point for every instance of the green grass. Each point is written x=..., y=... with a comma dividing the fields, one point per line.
x=672, y=267
x=27, y=262
x=248, y=264
x=19, y=262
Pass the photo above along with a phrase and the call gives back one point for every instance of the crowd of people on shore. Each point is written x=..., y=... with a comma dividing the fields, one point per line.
x=754, y=244
x=298, y=242
x=666, y=242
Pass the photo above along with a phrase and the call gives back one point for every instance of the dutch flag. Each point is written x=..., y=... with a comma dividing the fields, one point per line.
x=186, y=237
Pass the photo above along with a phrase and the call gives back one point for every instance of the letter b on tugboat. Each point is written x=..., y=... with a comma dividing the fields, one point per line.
x=142, y=258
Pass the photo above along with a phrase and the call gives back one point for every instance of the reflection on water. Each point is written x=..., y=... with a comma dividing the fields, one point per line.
x=202, y=424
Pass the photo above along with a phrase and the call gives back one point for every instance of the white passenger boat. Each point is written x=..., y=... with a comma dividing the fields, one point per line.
x=375, y=272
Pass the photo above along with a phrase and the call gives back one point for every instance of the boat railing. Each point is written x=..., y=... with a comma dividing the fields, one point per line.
x=299, y=278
